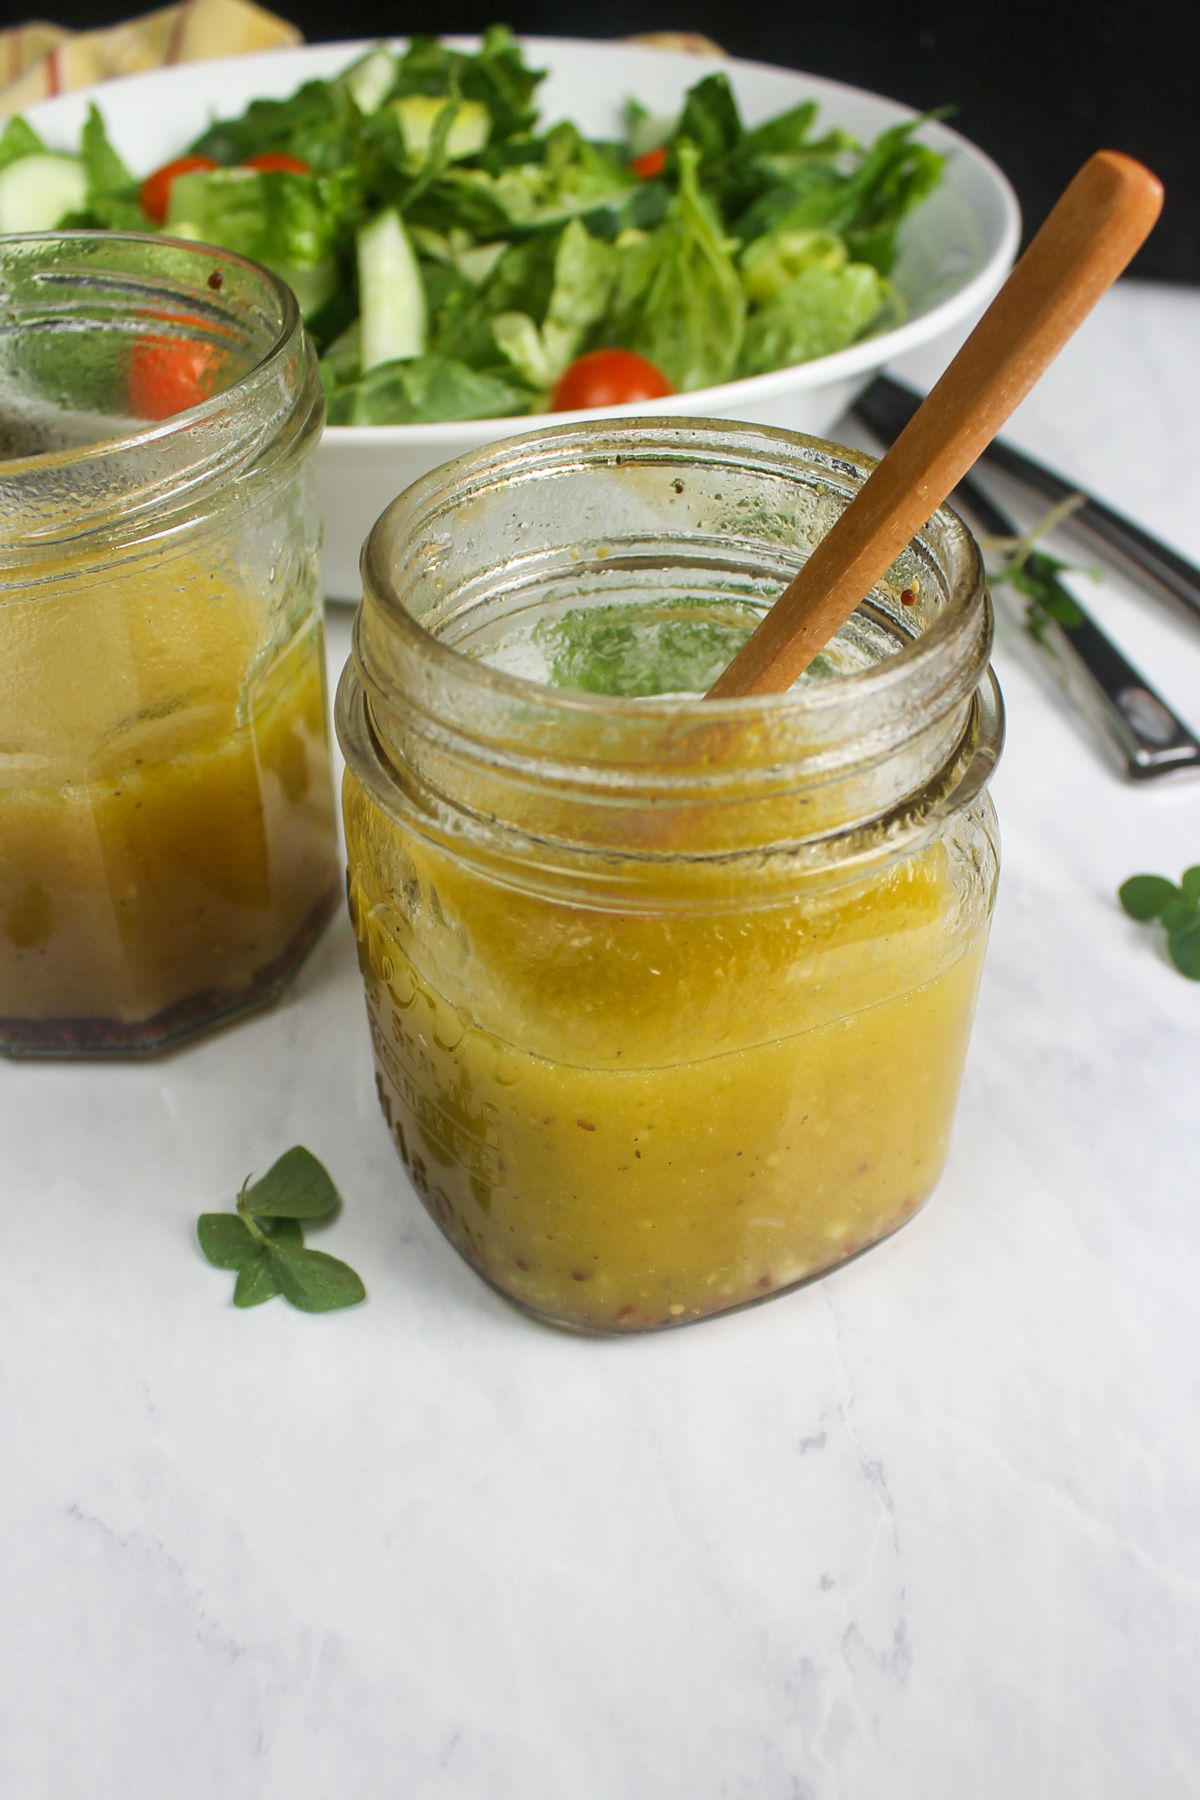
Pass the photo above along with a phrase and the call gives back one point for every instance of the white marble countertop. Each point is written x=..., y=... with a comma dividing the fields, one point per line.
x=928, y=1528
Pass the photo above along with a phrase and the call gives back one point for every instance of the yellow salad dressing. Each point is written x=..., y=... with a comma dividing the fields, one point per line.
x=705, y=1106
x=181, y=857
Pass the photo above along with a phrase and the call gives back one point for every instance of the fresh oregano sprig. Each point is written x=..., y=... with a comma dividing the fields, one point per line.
x=1036, y=576
x=1149, y=897
x=264, y=1242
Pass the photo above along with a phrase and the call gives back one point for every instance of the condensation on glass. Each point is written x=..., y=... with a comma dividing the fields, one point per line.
x=669, y=1000
x=167, y=839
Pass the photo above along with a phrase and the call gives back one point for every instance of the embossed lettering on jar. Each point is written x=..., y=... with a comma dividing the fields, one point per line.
x=167, y=842
x=669, y=1000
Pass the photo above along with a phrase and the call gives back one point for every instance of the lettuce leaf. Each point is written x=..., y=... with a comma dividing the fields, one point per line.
x=710, y=119
x=422, y=390
x=770, y=262
x=864, y=206
x=563, y=177
x=462, y=312
x=111, y=202
x=819, y=311
x=776, y=164
x=689, y=317
x=787, y=134
x=584, y=270
x=17, y=140
x=112, y=191
x=458, y=199
x=894, y=176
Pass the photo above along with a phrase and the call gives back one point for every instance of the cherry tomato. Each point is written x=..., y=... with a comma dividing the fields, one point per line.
x=270, y=160
x=155, y=192
x=608, y=378
x=650, y=164
x=168, y=374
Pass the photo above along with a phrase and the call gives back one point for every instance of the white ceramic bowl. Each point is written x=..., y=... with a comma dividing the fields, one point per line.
x=955, y=248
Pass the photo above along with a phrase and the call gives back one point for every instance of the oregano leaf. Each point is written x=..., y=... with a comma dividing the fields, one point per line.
x=285, y=1232
x=1179, y=914
x=264, y=1241
x=257, y=1281
x=295, y=1187
x=226, y=1240
x=1189, y=881
x=1036, y=575
x=1184, y=949
x=315, y=1282
x=1144, y=896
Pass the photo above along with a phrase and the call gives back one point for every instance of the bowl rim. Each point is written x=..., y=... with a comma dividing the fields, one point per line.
x=821, y=371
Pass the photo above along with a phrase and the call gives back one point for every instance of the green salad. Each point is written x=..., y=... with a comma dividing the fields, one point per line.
x=455, y=261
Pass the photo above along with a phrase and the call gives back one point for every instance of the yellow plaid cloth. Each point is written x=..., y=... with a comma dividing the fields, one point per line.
x=38, y=60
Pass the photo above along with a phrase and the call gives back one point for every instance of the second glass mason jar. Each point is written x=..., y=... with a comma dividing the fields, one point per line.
x=669, y=999
x=167, y=842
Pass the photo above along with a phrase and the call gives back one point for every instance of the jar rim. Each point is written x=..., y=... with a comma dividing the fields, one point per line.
x=585, y=872
x=629, y=438
x=115, y=476
x=484, y=755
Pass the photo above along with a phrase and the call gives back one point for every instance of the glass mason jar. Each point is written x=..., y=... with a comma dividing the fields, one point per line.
x=167, y=843
x=669, y=998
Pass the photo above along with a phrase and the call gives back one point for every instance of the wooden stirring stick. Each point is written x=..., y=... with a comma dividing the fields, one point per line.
x=1100, y=221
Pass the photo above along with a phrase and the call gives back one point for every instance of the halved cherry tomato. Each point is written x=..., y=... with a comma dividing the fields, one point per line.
x=651, y=163
x=168, y=374
x=270, y=160
x=155, y=191
x=608, y=378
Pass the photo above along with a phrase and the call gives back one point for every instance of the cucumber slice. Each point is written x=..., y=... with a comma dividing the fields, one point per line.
x=370, y=78
x=391, y=293
x=37, y=191
x=418, y=114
